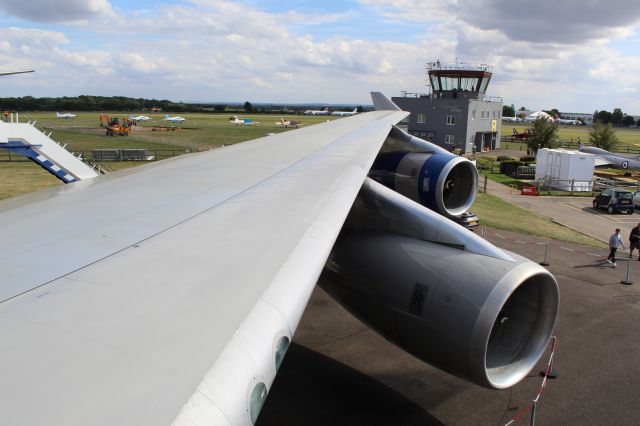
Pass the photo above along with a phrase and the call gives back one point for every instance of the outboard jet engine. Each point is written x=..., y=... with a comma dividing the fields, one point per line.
x=426, y=173
x=439, y=291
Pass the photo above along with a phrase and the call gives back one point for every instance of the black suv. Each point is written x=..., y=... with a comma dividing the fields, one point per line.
x=615, y=201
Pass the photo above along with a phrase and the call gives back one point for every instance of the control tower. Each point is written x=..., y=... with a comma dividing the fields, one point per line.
x=456, y=113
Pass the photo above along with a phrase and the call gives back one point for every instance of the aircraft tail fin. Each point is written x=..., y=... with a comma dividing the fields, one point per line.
x=382, y=103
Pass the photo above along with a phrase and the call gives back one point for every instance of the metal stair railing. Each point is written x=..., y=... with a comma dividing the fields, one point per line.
x=103, y=170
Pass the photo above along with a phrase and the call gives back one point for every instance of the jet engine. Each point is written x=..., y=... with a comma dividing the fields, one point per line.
x=426, y=173
x=440, y=292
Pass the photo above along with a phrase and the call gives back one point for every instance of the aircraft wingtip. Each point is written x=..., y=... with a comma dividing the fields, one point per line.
x=382, y=103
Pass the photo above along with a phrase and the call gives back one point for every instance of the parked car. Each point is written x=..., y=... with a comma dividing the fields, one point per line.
x=615, y=201
x=636, y=199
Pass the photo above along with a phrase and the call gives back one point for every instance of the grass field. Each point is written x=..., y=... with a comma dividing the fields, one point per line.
x=200, y=131
x=629, y=137
x=496, y=213
x=83, y=134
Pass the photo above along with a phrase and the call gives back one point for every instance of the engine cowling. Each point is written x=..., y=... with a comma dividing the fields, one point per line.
x=440, y=292
x=426, y=173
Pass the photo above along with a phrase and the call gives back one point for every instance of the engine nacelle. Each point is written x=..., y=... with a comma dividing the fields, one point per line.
x=426, y=173
x=458, y=303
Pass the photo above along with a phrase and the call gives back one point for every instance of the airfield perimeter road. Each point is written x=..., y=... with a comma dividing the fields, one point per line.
x=339, y=372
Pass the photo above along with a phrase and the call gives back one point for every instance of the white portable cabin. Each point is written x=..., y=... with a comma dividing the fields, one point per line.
x=559, y=167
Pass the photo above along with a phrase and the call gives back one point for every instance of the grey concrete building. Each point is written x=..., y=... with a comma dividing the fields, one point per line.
x=457, y=113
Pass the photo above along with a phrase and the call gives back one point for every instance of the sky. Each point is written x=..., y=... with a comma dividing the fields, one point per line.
x=573, y=55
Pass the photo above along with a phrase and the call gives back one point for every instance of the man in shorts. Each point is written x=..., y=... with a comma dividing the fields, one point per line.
x=614, y=242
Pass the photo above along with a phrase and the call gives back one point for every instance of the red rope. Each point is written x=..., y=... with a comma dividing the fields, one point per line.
x=543, y=385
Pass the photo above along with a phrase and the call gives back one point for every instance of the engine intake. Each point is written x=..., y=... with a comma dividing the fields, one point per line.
x=426, y=173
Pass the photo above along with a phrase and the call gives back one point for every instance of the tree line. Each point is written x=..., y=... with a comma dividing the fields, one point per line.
x=123, y=103
x=616, y=118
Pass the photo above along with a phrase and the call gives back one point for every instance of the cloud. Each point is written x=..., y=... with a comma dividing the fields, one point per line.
x=205, y=51
x=55, y=11
x=566, y=22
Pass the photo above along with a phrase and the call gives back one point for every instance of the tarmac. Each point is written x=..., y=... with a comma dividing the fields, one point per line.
x=340, y=372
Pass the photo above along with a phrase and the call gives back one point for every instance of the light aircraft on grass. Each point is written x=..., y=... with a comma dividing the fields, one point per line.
x=176, y=119
x=288, y=123
x=317, y=112
x=345, y=113
x=66, y=115
x=242, y=121
x=137, y=118
x=174, y=292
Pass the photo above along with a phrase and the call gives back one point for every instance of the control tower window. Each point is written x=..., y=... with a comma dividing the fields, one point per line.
x=484, y=84
x=450, y=83
x=469, y=84
x=421, y=118
x=435, y=83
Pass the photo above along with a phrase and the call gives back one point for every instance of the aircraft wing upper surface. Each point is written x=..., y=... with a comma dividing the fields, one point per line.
x=164, y=294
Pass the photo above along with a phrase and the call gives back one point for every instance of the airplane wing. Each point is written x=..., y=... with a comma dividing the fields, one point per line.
x=169, y=293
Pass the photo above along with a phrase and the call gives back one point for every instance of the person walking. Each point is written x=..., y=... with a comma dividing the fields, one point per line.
x=634, y=241
x=614, y=242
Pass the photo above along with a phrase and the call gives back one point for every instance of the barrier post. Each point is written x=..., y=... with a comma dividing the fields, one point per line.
x=546, y=251
x=533, y=413
x=627, y=280
x=482, y=232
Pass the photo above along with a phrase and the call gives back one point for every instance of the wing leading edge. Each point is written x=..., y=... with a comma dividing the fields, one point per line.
x=168, y=293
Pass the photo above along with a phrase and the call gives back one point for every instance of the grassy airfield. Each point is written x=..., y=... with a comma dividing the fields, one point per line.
x=629, y=137
x=200, y=132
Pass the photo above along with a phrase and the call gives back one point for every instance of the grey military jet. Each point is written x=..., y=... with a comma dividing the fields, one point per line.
x=606, y=158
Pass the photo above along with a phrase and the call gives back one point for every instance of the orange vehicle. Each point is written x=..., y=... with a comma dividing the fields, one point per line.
x=113, y=127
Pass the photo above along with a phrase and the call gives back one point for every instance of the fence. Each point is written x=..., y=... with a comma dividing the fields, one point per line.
x=145, y=155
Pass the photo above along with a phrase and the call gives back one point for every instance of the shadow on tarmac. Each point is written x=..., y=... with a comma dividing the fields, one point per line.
x=312, y=389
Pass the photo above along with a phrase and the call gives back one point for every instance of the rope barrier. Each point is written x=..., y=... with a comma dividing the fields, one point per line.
x=531, y=407
x=485, y=231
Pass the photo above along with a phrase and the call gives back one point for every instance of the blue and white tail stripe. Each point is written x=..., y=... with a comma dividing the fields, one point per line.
x=31, y=152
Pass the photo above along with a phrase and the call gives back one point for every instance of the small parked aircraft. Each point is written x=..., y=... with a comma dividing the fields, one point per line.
x=241, y=121
x=345, y=113
x=138, y=118
x=317, y=112
x=523, y=135
x=66, y=115
x=288, y=123
x=176, y=119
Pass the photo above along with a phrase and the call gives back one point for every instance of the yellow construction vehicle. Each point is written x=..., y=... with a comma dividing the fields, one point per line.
x=113, y=127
